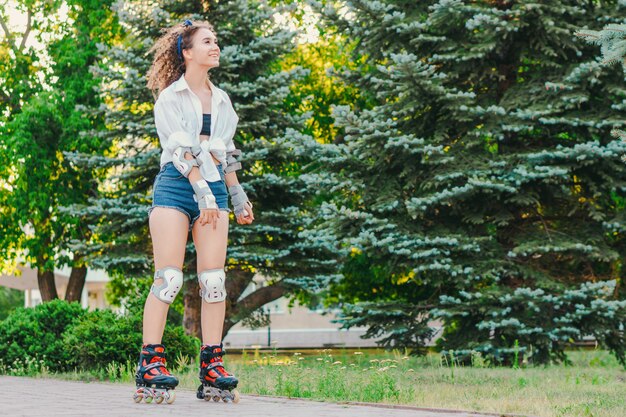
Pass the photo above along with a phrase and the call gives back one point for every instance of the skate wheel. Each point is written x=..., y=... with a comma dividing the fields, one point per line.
x=170, y=397
x=216, y=398
x=236, y=396
x=138, y=397
x=159, y=399
x=147, y=399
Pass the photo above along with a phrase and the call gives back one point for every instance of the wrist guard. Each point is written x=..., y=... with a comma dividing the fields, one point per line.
x=203, y=195
x=239, y=199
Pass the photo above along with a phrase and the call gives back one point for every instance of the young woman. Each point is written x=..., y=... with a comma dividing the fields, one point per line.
x=195, y=122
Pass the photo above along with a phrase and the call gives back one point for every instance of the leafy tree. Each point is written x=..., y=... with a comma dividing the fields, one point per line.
x=10, y=299
x=43, y=118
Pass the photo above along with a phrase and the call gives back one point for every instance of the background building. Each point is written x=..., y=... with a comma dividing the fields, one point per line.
x=26, y=280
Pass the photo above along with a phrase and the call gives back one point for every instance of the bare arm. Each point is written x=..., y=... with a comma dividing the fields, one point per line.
x=194, y=174
x=231, y=178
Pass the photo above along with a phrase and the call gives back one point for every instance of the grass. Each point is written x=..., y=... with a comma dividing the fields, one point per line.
x=594, y=385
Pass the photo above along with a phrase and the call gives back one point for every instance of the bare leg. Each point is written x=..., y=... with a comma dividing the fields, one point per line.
x=211, y=249
x=169, y=231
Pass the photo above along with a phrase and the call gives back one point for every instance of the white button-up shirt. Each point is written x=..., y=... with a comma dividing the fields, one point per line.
x=178, y=120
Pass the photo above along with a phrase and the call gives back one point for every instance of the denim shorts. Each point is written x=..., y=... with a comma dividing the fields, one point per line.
x=173, y=190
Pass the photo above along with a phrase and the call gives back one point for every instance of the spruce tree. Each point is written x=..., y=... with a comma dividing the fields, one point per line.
x=251, y=73
x=612, y=40
x=481, y=184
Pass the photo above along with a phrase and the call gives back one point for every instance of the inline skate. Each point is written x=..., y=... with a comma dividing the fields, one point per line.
x=217, y=384
x=154, y=382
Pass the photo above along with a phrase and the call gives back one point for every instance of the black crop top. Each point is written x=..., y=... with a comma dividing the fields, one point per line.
x=206, y=124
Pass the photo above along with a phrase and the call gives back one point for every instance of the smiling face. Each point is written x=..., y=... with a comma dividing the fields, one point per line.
x=204, y=51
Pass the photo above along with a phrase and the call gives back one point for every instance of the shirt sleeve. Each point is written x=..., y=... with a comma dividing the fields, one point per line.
x=170, y=125
x=233, y=119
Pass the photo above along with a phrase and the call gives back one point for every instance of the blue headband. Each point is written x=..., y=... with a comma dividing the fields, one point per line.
x=179, y=43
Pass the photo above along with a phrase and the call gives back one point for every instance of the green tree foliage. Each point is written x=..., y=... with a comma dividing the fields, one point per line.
x=612, y=41
x=10, y=299
x=20, y=64
x=44, y=119
x=543, y=324
x=470, y=175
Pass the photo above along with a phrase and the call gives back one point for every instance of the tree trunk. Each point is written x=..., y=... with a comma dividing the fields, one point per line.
x=76, y=284
x=193, y=305
x=237, y=281
x=47, y=286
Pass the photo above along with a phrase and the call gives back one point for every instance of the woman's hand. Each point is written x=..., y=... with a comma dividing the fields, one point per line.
x=209, y=216
x=247, y=217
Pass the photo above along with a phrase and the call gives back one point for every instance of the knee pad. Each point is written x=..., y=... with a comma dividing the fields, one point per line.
x=212, y=285
x=171, y=285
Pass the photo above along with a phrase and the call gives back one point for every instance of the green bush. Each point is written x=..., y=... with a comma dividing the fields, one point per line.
x=63, y=336
x=102, y=337
x=36, y=333
x=180, y=344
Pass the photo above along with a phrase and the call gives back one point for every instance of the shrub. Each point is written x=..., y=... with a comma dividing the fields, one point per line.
x=62, y=336
x=36, y=333
x=180, y=344
x=102, y=337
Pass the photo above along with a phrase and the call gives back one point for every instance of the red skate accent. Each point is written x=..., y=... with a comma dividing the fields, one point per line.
x=217, y=371
x=161, y=370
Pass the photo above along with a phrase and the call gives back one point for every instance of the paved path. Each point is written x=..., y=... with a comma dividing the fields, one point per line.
x=31, y=397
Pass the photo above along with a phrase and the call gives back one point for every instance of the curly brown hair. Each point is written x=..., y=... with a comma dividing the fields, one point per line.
x=167, y=65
